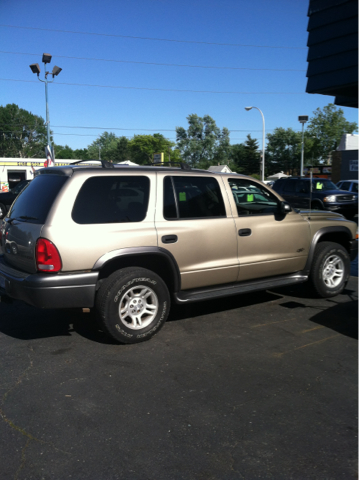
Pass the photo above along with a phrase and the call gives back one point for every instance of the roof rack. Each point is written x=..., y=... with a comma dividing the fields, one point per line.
x=105, y=163
x=183, y=166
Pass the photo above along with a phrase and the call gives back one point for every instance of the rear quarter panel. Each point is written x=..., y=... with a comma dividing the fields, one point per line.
x=80, y=246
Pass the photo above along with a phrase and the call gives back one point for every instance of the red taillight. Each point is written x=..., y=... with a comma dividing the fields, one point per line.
x=47, y=257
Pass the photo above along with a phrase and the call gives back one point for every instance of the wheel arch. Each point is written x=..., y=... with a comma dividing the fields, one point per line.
x=156, y=259
x=340, y=235
x=317, y=201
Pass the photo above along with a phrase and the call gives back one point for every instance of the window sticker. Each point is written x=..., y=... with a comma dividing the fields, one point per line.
x=250, y=197
x=182, y=196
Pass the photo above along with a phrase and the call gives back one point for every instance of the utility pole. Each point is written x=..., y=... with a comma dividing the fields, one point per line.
x=302, y=119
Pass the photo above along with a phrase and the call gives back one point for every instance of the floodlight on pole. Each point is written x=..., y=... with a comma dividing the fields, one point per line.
x=35, y=68
x=55, y=71
x=302, y=119
x=46, y=58
x=263, y=140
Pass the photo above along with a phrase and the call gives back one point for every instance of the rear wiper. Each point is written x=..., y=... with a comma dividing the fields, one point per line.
x=24, y=217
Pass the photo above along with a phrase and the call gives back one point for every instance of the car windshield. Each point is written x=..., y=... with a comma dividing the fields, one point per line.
x=322, y=184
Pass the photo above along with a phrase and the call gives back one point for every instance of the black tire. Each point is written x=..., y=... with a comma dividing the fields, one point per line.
x=316, y=206
x=329, y=260
x=2, y=211
x=349, y=215
x=145, y=304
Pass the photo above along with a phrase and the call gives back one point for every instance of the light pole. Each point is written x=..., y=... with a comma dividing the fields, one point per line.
x=46, y=58
x=263, y=140
x=302, y=119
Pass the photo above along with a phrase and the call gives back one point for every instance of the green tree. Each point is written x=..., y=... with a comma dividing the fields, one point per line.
x=203, y=143
x=142, y=148
x=122, y=150
x=327, y=126
x=22, y=134
x=81, y=154
x=283, y=151
x=105, y=145
x=252, y=157
x=237, y=157
x=62, y=152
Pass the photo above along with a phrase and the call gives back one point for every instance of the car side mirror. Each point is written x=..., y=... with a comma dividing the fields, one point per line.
x=285, y=208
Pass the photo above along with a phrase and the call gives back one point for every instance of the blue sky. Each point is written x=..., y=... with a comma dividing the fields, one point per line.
x=264, y=55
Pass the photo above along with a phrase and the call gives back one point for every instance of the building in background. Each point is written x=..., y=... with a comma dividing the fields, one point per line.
x=345, y=159
x=333, y=50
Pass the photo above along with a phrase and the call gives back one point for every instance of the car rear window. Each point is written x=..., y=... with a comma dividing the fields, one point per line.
x=34, y=202
x=112, y=199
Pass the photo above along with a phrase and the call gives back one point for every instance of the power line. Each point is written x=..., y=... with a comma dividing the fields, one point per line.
x=120, y=128
x=92, y=135
x=158, y=89
x=161, y=64
x=52, y=30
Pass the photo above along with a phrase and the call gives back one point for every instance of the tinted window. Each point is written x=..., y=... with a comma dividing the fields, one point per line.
x=344, y=186
x=112, y=199
x=192, y=197
x=169, y=202
x=323, y=184
x=302, y=186
x=252, y=198
x=289, y=186
x=34, y=202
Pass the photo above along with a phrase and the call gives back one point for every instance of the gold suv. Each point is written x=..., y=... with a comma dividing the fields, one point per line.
x=129, y=240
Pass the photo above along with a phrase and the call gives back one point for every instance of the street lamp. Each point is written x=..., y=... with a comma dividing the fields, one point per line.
x=46, y=58
x=302, y=119
x=263, y=140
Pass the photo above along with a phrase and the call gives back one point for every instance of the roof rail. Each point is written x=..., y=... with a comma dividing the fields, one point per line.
x=105, y=163
x=183, y=165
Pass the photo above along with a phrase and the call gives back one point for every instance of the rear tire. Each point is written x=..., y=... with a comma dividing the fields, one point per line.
x=133, y=304
x=330, y=269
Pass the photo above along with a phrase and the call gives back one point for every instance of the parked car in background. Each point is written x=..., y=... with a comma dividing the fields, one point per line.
x=349, y=186
x=7, y=198
x=324, y=195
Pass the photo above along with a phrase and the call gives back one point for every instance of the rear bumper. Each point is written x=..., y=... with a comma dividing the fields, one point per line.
x=64, y=290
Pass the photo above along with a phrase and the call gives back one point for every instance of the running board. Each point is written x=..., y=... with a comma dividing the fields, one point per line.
x=218, y=291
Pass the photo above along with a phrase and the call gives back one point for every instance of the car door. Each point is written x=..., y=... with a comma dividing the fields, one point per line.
x=288, y=192
x=302, y=194
x=194, y=223
x=269, y=242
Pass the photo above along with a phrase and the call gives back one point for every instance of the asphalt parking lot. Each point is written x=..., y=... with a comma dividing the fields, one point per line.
x=255, y=386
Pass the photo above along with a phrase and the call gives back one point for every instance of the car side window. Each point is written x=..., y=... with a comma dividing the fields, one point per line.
x=345, y=186
x=252, y=198
x=190, y=197
x=289, y=186
x=302, y=187
x=112, y=199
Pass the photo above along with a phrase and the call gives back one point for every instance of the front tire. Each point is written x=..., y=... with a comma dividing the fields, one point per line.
x=133, y=304
x=330, y=269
